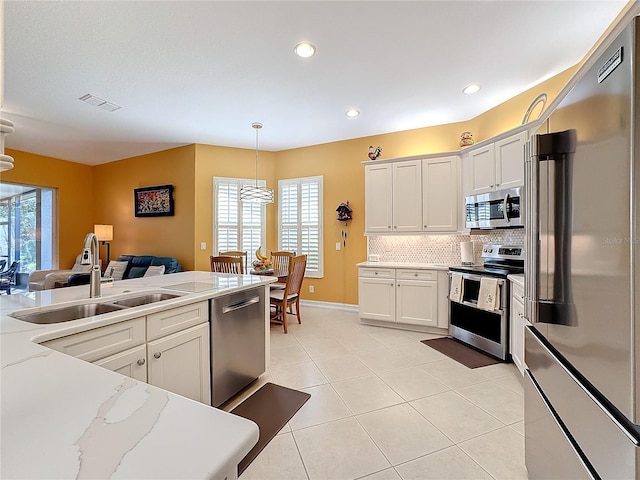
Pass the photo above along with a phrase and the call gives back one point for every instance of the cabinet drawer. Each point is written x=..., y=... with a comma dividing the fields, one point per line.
x=517, y=292
x=377, y=272
x=416, y=274
x=101, y=342
x=176, y=319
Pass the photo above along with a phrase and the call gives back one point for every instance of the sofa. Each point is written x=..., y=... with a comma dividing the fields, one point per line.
x=131, y=266
x=46, y=279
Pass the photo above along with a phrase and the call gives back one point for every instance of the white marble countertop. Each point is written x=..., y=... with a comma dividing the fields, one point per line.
x=414, y=266
x=61, y=417
x=517, y=278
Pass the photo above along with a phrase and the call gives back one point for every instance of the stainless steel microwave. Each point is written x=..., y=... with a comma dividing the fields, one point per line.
x=499, y=209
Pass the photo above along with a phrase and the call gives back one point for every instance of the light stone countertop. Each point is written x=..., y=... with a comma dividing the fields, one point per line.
x=61, y=417
x=517, y=278
x=414, y=266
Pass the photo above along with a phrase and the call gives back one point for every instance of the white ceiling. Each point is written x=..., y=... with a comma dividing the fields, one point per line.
x=201, y=72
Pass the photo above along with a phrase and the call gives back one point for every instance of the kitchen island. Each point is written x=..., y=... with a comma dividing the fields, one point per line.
x=62, y=417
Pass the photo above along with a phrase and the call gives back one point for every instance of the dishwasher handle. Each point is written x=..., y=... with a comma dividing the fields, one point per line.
x=237, y=306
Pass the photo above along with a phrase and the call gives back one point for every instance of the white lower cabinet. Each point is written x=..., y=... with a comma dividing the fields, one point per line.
x=130, y=363
x=377, y=296
x=180, y=363
x=517, y=326
x=400, y=296
x=177, y=361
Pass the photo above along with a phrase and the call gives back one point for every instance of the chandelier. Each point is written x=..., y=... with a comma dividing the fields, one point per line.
x=256, y=193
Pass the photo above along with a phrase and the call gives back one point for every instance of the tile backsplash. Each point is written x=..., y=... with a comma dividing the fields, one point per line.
x=439, y=249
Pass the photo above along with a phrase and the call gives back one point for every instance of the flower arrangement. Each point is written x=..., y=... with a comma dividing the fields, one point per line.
x=261, y=264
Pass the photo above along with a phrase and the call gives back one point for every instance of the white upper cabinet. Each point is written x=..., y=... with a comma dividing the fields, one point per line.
x=440, y=187
x=378, y=185
x=497, y=165
x=412, y=196
x=407, y=196
x=510, y=161
x=482, y=169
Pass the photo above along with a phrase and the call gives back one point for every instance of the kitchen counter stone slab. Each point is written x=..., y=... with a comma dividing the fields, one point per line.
x=517, y=278
x=61, y=417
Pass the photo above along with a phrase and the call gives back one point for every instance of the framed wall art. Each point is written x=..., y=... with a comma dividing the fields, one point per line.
x=154, y=201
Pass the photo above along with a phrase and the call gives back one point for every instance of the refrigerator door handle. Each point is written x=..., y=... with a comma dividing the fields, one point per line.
x=551, y=187
x=532, y=234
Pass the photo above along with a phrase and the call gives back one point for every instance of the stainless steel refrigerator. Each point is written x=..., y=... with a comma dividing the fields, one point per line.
x=582, y=348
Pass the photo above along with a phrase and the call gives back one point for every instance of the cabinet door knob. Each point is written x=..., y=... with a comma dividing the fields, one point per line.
x=388, y=226
x=141, y=361
x=157, y=355
x=415, y=274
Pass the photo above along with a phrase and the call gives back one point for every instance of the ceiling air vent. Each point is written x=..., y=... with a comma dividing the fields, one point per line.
x=99, y=102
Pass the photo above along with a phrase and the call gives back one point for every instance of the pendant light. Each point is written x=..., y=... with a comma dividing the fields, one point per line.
x=255, y=193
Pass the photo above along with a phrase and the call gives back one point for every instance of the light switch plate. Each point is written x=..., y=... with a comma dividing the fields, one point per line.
x=373, y=258
x=203, y=246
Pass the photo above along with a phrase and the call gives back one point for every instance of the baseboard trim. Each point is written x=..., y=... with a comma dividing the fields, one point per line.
x=405, y=326
x=330, y=305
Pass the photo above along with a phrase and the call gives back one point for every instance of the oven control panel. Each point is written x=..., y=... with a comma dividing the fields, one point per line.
x=514, y=252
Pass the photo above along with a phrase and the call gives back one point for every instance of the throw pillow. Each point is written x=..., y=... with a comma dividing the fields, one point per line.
x=116, y=269
x=154, y=271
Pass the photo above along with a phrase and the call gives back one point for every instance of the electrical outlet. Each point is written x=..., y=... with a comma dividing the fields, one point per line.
x=203, y=246
x=338, y=245
x=311, y=289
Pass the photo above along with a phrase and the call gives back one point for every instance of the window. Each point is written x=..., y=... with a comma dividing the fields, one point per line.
x=237, y=226
x=27, y=227
x=300, y=220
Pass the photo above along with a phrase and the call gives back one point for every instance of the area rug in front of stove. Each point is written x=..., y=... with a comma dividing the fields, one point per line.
x=461, y=353
x=271, y=407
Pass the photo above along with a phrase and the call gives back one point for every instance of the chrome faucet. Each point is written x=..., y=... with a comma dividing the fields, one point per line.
x=91, y=256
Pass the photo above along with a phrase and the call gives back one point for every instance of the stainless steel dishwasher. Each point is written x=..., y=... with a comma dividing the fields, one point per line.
x=237, y=342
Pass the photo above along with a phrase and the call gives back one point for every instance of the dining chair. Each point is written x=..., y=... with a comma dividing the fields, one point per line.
x=222, y=264
x=3, y=263
x=280, y=265
x=8, y=277
x=241, y=255
x=282, y=300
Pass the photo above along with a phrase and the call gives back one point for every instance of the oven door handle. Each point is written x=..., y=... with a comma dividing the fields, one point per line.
x=470, y=276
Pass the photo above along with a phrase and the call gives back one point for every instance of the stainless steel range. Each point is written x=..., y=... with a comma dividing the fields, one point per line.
x=474, y=321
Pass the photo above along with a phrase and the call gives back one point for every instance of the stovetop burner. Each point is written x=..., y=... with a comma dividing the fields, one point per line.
x=499, y=261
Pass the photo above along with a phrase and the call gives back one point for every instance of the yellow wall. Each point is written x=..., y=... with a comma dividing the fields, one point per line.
x=509, y=114
x=74, y=185
x=191, y=170
x=161, y=236
x=340, y=164
x=212, y=161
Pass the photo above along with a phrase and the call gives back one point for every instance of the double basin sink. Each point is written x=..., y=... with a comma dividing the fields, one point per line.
x=75, y=312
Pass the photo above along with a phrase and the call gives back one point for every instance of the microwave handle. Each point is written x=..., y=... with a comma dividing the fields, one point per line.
x=505, y=210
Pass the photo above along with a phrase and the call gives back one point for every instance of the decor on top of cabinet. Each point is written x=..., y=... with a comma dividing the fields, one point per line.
x=466, y=139
x=374, y=154
x=539, y=100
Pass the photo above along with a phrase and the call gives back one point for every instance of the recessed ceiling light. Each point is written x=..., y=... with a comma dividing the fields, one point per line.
x=469, y=89
x=304, y=50
x=352, y=112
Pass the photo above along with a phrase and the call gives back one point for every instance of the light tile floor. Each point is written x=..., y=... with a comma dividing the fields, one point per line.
x=384, y=406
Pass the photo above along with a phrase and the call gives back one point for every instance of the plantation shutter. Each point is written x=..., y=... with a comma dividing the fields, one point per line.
x=237, y=225
x=300, y=220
